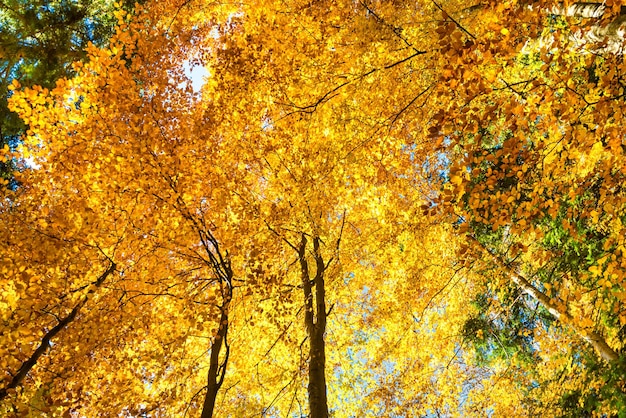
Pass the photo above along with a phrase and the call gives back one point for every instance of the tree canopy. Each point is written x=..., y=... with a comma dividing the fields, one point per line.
x=365, y=208
x=39, y=40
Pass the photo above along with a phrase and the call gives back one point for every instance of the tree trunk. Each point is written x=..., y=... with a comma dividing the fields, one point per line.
x=315, y=322
x=596, y=340
x=220, y=264
x=612, y=33
x=217, y=370
x=608, y=36
x=579, y=9
x=583, y=9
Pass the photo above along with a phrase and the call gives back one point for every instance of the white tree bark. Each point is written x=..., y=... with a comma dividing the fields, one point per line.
x=596, y=340
x=609, y=37
x=588, y=10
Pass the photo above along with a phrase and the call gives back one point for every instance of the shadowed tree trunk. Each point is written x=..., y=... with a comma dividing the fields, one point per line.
x=315, y=322
x=220, y=264
x=217, y=369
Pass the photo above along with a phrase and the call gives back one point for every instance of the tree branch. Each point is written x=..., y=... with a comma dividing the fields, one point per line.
x=28, y=365
x=595, y=339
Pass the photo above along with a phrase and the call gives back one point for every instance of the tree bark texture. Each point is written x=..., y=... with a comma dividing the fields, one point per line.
x=596, y=340
x=218, y=361
x=217, y=369
x=315, y=322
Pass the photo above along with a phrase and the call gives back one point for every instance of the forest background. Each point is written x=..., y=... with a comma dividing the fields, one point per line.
x=368, y=208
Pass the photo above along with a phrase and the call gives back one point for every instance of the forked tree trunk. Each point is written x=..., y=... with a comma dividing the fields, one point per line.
x=220, y=350
x=315, y=322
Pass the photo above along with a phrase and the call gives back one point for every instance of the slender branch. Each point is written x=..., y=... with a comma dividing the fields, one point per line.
x=331, y=93
x=28, y=365
x=420, y=94
x=293, y=247
x=396, y=31
x=343, y=223
x=458, y=25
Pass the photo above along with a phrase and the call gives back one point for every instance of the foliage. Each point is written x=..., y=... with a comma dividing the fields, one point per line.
x=39, y=40
x=305, y=232
x=536, y=176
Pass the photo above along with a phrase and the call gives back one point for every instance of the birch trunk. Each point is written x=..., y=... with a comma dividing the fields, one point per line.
x=596, y=340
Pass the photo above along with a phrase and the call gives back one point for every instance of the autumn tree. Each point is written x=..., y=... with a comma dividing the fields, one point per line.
x=274, y=241
x=127, y=140
x=39, y=42
x=536, y=184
